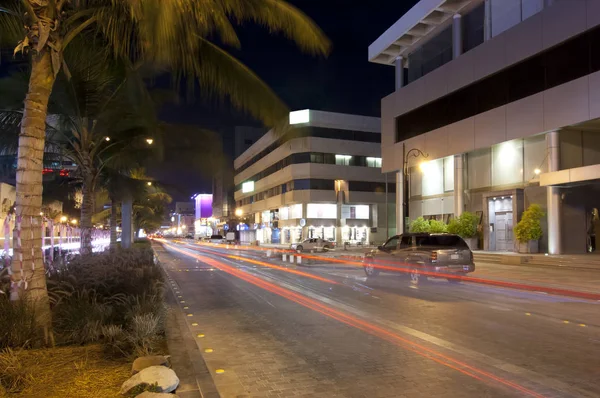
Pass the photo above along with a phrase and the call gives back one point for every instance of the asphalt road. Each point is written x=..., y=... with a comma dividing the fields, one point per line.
x=271, y=330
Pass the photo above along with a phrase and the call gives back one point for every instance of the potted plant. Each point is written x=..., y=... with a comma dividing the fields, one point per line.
x=419, y=225
x=528, y=231
x=437, y=227
x=465, y=226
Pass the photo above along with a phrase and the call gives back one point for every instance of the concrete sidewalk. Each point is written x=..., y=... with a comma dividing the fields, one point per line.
x=568, y=261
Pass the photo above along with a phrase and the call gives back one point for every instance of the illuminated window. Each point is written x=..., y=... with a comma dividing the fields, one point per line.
x=343, y=160
x=373, y=162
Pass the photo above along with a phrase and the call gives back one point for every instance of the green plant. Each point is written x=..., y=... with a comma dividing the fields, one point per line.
x=14, y=375
x=464, y=225
x=437, y=227
x=140, y=388
x=144, y=332
x=530, y=226
x=419, y=225
x=17, y=323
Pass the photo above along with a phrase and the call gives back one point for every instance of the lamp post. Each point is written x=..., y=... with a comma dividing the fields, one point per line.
x=414, y=152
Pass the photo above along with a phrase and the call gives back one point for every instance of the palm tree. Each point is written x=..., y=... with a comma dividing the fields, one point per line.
x=171, y=35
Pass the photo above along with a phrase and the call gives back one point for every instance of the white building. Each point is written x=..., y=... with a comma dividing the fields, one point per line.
x=504, y=97
x=322, y=178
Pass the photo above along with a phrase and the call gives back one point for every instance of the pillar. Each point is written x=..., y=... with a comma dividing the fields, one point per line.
x=459, y=185
x=553, y=195
x=126, y=222
x=457, y=36
x=487, y=21
x=400, y=202
x=399, y=66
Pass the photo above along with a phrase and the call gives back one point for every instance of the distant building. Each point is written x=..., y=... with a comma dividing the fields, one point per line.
x=182, y=219
x=204, y=222
x=321, y=179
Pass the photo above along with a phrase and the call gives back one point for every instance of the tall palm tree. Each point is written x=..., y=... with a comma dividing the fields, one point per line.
x=173, y=35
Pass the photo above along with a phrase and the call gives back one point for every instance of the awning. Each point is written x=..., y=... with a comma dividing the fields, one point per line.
x=574, y=176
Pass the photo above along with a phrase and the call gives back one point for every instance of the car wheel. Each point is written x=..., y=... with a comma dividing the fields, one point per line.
x=299, y=248
x=370, y=269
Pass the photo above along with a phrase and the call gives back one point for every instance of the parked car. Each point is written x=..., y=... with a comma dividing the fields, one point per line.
x=313, y=244
x=443, y=253
x=189, y=236
x=216, y=239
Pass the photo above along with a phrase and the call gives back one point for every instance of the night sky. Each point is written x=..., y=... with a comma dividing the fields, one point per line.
x=343, y=82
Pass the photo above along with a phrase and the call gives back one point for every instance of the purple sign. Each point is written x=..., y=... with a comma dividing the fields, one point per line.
x=204, y=206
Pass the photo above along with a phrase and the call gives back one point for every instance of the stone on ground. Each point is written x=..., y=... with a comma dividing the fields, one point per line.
x=163, y=377
x=142, y=363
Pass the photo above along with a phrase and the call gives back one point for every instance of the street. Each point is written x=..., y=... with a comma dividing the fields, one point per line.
x=274, y=330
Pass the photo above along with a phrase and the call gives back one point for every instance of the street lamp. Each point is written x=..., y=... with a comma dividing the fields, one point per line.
x=106, y=139
x=149, y=183
x=149, y=141
x=63, y=219
x=239, y=212
x=414, y=152
x=74, y=222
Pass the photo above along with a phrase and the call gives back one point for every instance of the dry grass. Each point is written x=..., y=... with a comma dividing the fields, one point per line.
x=81, y=372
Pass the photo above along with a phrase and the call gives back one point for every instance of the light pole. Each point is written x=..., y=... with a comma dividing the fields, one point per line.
x=414, y=152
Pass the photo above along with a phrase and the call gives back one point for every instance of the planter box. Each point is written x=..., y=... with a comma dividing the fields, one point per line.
x=473, y=243
x=529, y=247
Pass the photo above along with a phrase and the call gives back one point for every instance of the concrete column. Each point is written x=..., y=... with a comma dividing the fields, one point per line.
x=399, y=66
x=457, y=36
x=399, y=202
x=126, y=222
x=487, y=21
x=553, y=195
x=459, y=185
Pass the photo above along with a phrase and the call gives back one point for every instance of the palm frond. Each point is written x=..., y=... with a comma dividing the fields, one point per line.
x=11, y=23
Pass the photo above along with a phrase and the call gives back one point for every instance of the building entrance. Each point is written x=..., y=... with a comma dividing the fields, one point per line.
x=501, y=224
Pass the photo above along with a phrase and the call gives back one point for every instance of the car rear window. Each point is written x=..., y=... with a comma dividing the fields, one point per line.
x=442, y=240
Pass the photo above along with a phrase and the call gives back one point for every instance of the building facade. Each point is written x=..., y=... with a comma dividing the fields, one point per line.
x=204, y=223
x=182, y=219
x=504, y=98
x=319, y=179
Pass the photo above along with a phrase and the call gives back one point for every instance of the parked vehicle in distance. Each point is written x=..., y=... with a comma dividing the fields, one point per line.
x=415, y=253
x=216, y=239
x=313, y=244
x=189, y=236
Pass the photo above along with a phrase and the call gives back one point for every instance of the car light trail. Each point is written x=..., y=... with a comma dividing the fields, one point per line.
x=361, y=324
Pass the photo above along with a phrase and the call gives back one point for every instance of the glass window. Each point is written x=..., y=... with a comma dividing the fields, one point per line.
x=392, y=243
x=406, y=242
x=316, y=157
x=472, y=27
x=342, y=160
x=321, y=210
x=507, y=163
x=373, y=162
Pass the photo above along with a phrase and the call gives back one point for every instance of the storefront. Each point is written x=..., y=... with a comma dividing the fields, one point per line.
x=321, y=232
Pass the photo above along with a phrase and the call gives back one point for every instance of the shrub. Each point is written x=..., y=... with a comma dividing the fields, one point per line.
x=530, y=226
x=14, y=375
x=419, y=225
x=144, y=332
x=464, y=225
x=437, y=227
x=17, y=323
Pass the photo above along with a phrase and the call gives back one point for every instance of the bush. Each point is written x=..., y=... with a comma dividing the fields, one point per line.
x=464, y=225
x=115, y=297
x=530, y=226
x=437, y=227
x=419, y=225
x=17, y=323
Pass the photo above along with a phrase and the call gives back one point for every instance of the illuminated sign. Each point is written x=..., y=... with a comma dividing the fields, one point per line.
x=298, y=117
x=248, y=186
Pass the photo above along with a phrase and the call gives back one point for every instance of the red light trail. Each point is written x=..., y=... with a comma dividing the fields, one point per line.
x=361, y=324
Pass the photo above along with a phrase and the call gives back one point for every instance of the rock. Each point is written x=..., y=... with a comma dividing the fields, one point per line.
x=165, y=379
x=148, y=394
x=142, y=363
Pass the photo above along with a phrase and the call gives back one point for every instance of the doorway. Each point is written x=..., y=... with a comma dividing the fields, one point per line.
x=500, y=212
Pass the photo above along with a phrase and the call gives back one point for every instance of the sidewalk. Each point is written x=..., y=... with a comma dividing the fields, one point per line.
x=568, y=261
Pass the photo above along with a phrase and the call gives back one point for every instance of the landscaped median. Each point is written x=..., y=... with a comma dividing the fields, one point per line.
x=107, y=309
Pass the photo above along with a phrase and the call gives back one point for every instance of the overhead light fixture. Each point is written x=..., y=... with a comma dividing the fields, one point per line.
x=494, y=198
x=537, y=172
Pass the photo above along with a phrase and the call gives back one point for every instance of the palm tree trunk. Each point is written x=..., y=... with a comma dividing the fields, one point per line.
x=31, y=277
x=87, y=209
x=113, y=223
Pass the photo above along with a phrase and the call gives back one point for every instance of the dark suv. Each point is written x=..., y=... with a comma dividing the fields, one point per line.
x=415, y=253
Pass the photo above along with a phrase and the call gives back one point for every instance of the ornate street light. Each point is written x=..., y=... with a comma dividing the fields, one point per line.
x=414, y=152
